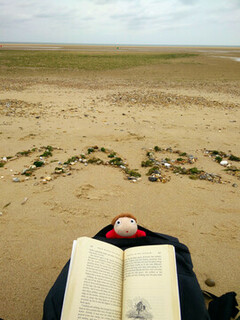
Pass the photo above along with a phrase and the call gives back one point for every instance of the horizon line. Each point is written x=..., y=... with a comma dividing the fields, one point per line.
x=118, y=44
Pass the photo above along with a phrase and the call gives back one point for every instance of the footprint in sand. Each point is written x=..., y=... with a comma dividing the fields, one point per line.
x=27, y=137
x=88, y=191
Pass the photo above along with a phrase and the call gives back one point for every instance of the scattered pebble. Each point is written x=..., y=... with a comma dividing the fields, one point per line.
x=6, y=205
x=20, y=108
x=131, y=178
x=210, y=177
x=25, y=200
x=157, y=166
x=224, y=163
x=168, y=165
x=210, y=282
x=152, y=179
x=162, y=98
x=58, y=170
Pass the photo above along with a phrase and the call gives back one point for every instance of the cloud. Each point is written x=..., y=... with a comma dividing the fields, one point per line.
x=188, y=2
x=55, y=15
x=153, y=15
x=102, y=2
x=29, y=13
x=236, y=3
x=118, y=20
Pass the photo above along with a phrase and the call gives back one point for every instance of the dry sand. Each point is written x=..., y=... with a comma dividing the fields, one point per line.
x=188, y=105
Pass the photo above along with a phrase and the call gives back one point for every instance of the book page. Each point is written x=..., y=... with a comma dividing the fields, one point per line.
x=94, y=289
x=70, y=266
x=150, y=290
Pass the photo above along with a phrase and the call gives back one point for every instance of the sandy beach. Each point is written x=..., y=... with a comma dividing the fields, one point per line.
x=184, y=112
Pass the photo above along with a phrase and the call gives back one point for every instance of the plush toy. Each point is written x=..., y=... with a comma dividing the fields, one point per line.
x=125, y=226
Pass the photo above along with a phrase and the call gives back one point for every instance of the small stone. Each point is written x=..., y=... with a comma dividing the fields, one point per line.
x=48, y=178
x=1, y=213
x=168, y=165
x=163, y=180
x=25, y=200
x=131, y=178
x=210, y=282
x=224, y=163
x=191, y=159
x=6, y=205
x=16, y=180
x=234, y=185
x=152, y=179
x=58, y=171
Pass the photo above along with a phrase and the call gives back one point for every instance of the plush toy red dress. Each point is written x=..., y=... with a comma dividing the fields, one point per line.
x=125, y=226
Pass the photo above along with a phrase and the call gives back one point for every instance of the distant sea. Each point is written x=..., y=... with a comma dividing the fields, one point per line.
x=122, y=44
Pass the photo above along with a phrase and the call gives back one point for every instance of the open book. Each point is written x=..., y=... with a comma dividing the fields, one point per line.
x=107, y=283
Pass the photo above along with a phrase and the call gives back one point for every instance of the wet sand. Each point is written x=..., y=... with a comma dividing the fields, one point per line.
x=191, y=106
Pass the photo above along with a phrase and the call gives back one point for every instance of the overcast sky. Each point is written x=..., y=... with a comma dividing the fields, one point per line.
x=157, y=22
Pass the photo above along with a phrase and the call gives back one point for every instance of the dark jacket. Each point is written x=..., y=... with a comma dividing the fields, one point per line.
x=191, y=297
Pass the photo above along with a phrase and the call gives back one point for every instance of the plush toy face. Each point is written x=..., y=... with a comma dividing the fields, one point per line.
x=125, y=227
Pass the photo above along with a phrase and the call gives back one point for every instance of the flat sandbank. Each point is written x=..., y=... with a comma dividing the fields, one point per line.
x=185, y=106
